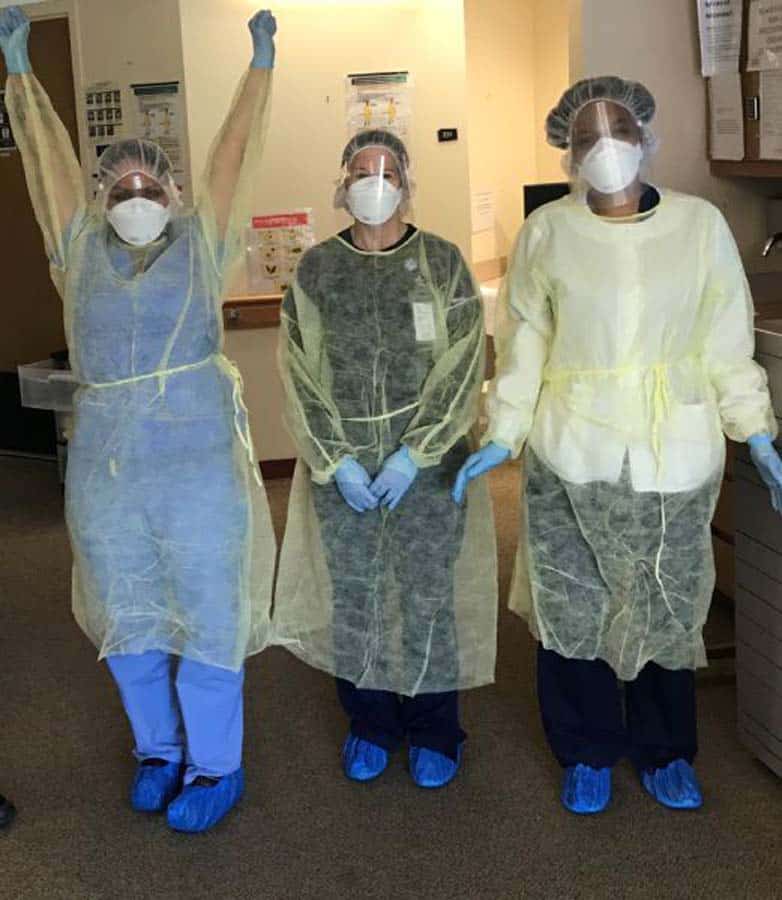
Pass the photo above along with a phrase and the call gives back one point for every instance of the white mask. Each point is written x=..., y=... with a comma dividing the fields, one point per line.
x=611, y=165
x=139, y=221
x=373, y=200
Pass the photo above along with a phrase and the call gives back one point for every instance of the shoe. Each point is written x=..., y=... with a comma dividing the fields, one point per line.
x=206, y=801
x=7, y=812
x=586, y=791
x=362, y=760
x=155, y=785
x=431, y=769
x=675, y=785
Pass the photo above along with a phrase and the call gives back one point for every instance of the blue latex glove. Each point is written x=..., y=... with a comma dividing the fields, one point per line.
x=487, y=458
x=395, y=478
x=769, y=466
x=353, y=482
x=263, y=27
x=14, y=32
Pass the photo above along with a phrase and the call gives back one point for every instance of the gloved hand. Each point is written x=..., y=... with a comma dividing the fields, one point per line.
x=263, y=27
x=14, y=32
x=769, y=466
x=395, y=478
x=353, y=482
x=488, y=457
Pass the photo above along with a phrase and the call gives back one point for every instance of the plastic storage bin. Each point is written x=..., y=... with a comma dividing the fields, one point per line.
x=44, y=386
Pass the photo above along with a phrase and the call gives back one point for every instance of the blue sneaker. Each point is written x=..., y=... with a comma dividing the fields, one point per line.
x=586, y=791
x=431, y=769
x=155, y=785
x=206, y=801
x=675, y=785
x=362, y=760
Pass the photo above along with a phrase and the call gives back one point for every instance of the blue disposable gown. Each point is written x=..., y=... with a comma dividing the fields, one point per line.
x=171, y=534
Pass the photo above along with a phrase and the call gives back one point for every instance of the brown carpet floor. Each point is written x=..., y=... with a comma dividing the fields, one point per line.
x=303, y=830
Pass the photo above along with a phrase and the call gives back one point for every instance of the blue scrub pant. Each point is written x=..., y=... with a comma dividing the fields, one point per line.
x=589, y=718
x=386, y=719
x=190, y=712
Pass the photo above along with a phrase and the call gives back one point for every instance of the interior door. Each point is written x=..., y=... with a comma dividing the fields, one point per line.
x=31, y=327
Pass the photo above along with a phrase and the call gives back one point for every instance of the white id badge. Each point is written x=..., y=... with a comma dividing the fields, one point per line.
x=423, y=317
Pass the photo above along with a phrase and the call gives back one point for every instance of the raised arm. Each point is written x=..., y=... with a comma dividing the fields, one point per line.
x=234, y=160
x=53, y=174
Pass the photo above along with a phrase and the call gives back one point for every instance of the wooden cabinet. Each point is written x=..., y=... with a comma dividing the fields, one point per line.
x=752, y=166
x=252, y=311
x=723, y=529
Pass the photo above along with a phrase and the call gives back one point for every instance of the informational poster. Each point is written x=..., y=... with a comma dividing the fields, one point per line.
x=483, y=211
x=7, y=143
x=105, y=116
x=771, y=115
x=380, y=100
x=160, y=117
x=720, y=24
x=275, y=244
x=726, y=117
x=765, y=35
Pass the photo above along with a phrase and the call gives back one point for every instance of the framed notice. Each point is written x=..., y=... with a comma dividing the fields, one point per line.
x=380, y=100
x=275, y=244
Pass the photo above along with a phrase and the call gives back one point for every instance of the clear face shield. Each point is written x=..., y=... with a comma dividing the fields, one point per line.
x=372, y=187
x=606, y=155
x=375, y=185
x=137, y=192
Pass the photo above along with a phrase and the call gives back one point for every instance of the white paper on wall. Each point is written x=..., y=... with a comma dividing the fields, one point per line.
x=105, y=114
x=726, y=117
x=765, y=35
x=483, y=211
x=771, y=115
x=160, y=117
x=719, y=24
x=275, y=244
x=380, y=100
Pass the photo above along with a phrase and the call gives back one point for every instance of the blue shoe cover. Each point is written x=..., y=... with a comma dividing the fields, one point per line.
x=586, y=791
x=200, y=806
x=431, y=769
x=155, y=786
x=675, y=786
x=362, y=760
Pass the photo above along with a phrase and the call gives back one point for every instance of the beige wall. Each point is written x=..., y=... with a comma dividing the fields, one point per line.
x=657, y=43
x=318, y=45
x=517, y=68
x=502, y=116
x=114, y=42
x=552, y=77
